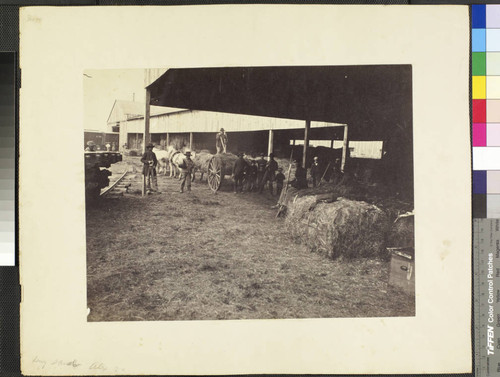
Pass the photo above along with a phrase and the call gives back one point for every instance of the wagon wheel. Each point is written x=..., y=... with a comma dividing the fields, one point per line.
x=215, y=173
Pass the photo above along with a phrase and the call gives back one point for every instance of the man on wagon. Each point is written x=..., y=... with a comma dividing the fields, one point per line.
x=149, y=168
x=186, y=168
x=221, y=141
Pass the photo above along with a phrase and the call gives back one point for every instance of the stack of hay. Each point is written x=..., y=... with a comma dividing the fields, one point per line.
x=201, y=161
x=285, y=163
x=402, y=233
x=340, y=229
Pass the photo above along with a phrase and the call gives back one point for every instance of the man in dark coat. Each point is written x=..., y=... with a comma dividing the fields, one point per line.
x=316, y=171
x=239, y=169
x=300, y=180
x=280, y=178
x=149, y=168
x=270, y=174
x=252, y=176
x=261, y=169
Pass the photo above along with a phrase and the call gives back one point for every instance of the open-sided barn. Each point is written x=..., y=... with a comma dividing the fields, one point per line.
x=271, y=109
x=290, y=103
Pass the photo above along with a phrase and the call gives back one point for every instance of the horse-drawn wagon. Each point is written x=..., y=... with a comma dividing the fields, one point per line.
x=219, y=166
x=215, y=166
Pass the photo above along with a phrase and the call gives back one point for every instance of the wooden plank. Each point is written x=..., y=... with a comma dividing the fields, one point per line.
x=344, y=149
x=112, y=186
x=306, y=142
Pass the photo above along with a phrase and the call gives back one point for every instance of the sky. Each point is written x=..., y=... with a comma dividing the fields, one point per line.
x=102, y=87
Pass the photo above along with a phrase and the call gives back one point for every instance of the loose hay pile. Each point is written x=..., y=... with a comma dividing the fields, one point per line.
x=402, y=233
x=284, y=163
x=341, y=229
x=201, y=161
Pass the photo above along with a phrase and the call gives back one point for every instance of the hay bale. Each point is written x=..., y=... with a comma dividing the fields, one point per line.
x=402, y=232
x=341, y=229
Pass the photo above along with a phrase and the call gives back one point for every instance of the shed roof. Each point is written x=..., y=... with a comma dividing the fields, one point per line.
x=126, y=110
x=374, y=100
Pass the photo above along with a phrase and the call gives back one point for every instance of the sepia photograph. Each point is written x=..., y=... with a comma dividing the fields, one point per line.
x=249, y=193
x=277, y=194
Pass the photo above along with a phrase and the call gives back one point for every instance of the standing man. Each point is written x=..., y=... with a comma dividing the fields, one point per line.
x=316, y=171
x=221, y=141
x=261, y=169
x=300, y=181
x=186, y=168
x=336, y=173
x=252, y=176
x=149, y=168
x=239, y=170
x=280, y=178
x=270, y=174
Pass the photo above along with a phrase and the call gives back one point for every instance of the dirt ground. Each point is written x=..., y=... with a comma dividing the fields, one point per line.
x=201, y=256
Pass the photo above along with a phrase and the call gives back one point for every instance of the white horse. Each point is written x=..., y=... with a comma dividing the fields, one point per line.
x=163, y=160
x=175, y=158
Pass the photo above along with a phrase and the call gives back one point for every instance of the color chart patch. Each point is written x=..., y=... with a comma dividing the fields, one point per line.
x=7, y=158
x=486, y=110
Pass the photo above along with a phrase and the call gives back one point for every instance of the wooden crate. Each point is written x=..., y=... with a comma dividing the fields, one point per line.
x=402, y=270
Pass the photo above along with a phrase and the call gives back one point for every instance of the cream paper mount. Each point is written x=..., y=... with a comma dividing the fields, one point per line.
x=59, y=43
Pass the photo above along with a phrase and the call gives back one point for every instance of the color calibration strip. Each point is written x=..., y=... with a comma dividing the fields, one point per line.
x=7, y=158
x=486, y=110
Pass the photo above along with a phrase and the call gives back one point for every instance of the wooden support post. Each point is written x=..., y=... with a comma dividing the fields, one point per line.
x=168, y=141
x=306, y=142
x=191, y=141
x=331, y=144
x=270, y=142
x=146, y=136
x=344, y=149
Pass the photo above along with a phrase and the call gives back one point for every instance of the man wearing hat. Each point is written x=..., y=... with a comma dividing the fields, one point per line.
x=149, y=168
x=315, y=171
x=239, y=170
x=270, y=174
x=90, y=146
x=186, y=168
x=280, y=178
x=252, y=176
x=221, y=141
x=261, y=169
x=300, y=180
